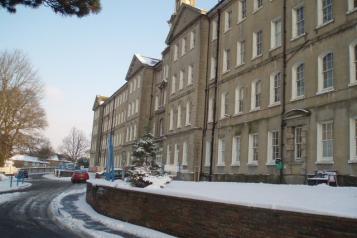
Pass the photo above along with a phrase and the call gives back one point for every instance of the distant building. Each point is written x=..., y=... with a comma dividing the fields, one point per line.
x=240, y=87
x=25, y=161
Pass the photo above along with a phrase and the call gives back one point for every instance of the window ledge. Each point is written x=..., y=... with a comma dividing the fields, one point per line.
x=188, y=124
x=325, y=24
x=325, y=161
x=207, y=165
x=256, y=10
x=353, y=161
x=226, y=71
x=257, y=56
x=240, y=65
x=326, y=90
x=274, y=104
x=255, y=109
x=352, y=84
x=235, y=164
x=274, y=48
x=252, y=163
x=238, y=114
x=350, y=11
x=298, y=37
x=227, y=30
x=220, y=165
x=297, y=98
x=270, y=163
x=242, y=20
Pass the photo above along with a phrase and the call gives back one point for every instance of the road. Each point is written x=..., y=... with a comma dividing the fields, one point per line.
x=28, y=215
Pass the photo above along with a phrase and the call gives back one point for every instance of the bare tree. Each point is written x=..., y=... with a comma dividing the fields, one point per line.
x=21, y=115
x=75, y=145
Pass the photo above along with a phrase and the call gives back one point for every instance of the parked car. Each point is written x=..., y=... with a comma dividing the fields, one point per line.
x=117, y=174
x=79, y=176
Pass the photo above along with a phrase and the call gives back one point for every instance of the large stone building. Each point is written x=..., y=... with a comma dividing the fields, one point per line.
x=240, y=87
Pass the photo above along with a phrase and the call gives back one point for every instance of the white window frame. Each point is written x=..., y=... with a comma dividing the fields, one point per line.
x=321, y=79
x=173, y=84
x=296, y=21
x=351, y=7
x=226, y=60
x=192, y=39
x=256, y=6
x=214, y=30
x=208, y=153
x=224, y=102
x=298, y=143
x=190, y=75
x=156, y=102
x=221, y=152
x=273, y=146
x=188, y=114
x=213, y=68
x=171, y=122
x=353, y=63
x=183, y=46
x=179, y=114
x=353, y=140
x=242, y=8
x=181, y=79
x=168, y=153
x=276, y=33
x=294, y=81
x=175, y=52
x=236, y=150
x=253, y=148
x=321, y=21
x=257, y=45
x=254, y=95
x=227, y=20
x=240, y=52
x=176, y=154
x=210, y=110
x=184, y=154
x=275, y=89
x=136, y=105
x=320, y=157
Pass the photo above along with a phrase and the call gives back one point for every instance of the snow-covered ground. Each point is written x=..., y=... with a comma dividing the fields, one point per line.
x=10, y=196
x=321, y=199
x=5, y=184
x=51, y=176
x=68, y=221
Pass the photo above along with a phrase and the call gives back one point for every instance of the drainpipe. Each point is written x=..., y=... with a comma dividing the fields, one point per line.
x=204, y=132
x=215, y=95
x=283, y=93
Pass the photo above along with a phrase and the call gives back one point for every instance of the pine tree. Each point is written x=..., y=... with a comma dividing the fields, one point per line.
x=78, y=8
x=144, y=152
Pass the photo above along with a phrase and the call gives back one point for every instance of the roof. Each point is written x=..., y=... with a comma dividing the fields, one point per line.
x=27, y=158
x=99, y=100
x=139, y=61
x=147, y=60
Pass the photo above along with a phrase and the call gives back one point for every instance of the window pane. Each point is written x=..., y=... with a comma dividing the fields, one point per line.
x=328, y=71
x=300, y=21
x=277, y=87
x=327, y=10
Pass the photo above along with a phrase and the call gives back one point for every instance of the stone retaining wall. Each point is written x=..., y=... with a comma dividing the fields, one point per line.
x=184, y=217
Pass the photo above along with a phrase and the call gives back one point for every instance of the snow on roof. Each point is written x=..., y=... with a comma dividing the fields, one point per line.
x=54, y=158
x=27, y=158
x=147, y=60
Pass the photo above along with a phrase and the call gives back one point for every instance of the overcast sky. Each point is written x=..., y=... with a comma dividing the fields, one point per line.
x=79, y=58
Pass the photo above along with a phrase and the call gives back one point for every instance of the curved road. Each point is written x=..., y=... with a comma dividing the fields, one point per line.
x=28, y=215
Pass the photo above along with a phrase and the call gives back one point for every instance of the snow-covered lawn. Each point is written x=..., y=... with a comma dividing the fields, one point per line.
x=51, y=176
x=321, y=199
x=5, y=184
x=68, y=221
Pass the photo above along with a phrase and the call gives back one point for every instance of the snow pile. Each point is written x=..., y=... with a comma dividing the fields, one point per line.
x=321, y=199
x=115, y=184
x=53, y=177
x=3, y=177
x=10, y=197
x=157, y=181
x=64, y=218
x=5, y=185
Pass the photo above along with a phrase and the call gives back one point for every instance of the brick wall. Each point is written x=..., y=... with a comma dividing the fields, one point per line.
x=192, y=218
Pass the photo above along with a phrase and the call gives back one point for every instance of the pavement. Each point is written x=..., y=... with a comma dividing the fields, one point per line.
x=28, y=216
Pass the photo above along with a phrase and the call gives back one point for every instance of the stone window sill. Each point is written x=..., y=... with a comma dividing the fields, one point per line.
x=220, y=165
x=235, y=164
x=325, y=90
x=353, y=161
x=352, y=84
x=350, y=11
x=324, y=24
x=257, y=57
x=270, y=163
x=325, y=161
x=298, y=37
x=274, y=104
x=253, y=163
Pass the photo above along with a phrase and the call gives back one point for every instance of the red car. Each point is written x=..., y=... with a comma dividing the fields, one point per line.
x=79, y=176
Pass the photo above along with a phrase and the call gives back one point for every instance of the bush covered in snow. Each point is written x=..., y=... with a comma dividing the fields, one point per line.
x=144, y=164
